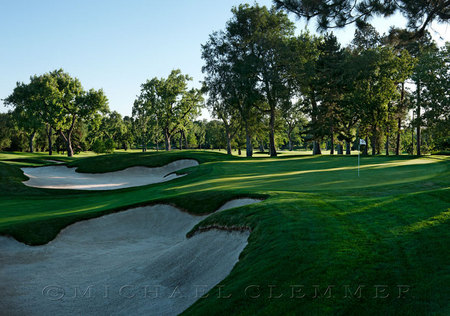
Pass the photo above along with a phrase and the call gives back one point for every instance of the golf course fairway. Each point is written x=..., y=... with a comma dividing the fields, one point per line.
x=321, y=240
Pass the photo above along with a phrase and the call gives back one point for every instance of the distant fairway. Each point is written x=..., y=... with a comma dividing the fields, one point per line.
x=320, y=227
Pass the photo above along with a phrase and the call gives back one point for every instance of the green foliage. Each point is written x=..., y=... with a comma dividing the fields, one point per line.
x=247, y=67
x=109, y=146
x=57, y=100
x=433, y=73
x=103, y=146
x=98, y=146
x=215, y=135
x=167, y=104
x=339, y=13
x=5, y=130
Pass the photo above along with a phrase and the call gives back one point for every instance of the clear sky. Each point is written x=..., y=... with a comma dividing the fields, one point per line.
x=116, y=44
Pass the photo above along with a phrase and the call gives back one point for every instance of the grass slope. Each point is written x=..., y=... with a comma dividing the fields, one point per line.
x=320, y=227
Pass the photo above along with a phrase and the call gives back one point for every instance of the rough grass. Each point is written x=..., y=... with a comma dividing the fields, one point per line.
x=321, y=226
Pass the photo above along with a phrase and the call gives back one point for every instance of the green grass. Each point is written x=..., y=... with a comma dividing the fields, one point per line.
x=320, y=225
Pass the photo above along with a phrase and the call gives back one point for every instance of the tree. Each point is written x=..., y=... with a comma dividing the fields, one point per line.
x=339, y=13
x=142, y=130
x=98, y=146
x=57, y=100
x=365, y=38
x=303, y=65
x=264, y=34
x=397, y=110
x=375, y=86
x=6, y=128
x=350, y=104
x=330, y=67
x=222, y=108
x=235, y=66
x=432, y=73
x=126, y=138
x=405, y=48
x=293, y=119
x=112, y=126
x=229, y=84
x=215, y=135
x=198, y=132
x=76, y=105
x=23, y=99
x=34, y=105
x=168, y=102
x=402, y=39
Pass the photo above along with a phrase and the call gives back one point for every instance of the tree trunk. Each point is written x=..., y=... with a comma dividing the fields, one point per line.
x=418, y=117
x=316, y=144
x=374, y=140
x=249, y=149
x=332, y=145
x=68, y=139
x=69, y=147
x=185, y=140
x=290, y=140
x=181, y=140
x=167, y=139
x=239, y=151
x=412, y=135
x=261, y=146
x=68, y=142
x=49, y=136
x=316, y=148
x=366, y=146
x=397, y=145
x=399, y=121
x=347, y=148
x=272, y=149
x=248, y=143
x=340, y=149
x=228, y=142
x=387, y=141
x=30, y=141
x=374, y=149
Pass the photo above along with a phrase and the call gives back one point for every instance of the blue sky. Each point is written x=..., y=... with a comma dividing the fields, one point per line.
x=116, y=44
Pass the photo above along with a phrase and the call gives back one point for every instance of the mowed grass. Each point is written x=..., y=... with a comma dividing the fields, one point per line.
x=320, y=226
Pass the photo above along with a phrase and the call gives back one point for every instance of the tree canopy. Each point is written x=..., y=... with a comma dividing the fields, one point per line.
x=339, y=13
x=167, y=103
x=58, y=100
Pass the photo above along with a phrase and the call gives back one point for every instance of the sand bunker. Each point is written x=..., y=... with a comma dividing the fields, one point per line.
x=62, y=177
x=136, y=262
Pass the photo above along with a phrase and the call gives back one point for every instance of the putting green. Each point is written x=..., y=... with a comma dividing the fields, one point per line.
x=321, y=226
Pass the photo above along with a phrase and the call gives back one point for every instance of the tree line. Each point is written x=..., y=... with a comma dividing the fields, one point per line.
x=266, y=87
x=258, y=70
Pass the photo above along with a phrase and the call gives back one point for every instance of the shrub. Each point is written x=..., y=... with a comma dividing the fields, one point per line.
x=109, y=146
x=98, y=146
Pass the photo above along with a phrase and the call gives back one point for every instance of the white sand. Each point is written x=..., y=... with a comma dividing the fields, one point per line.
x=135, y=262
x=54, y=161
x=62, y=177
